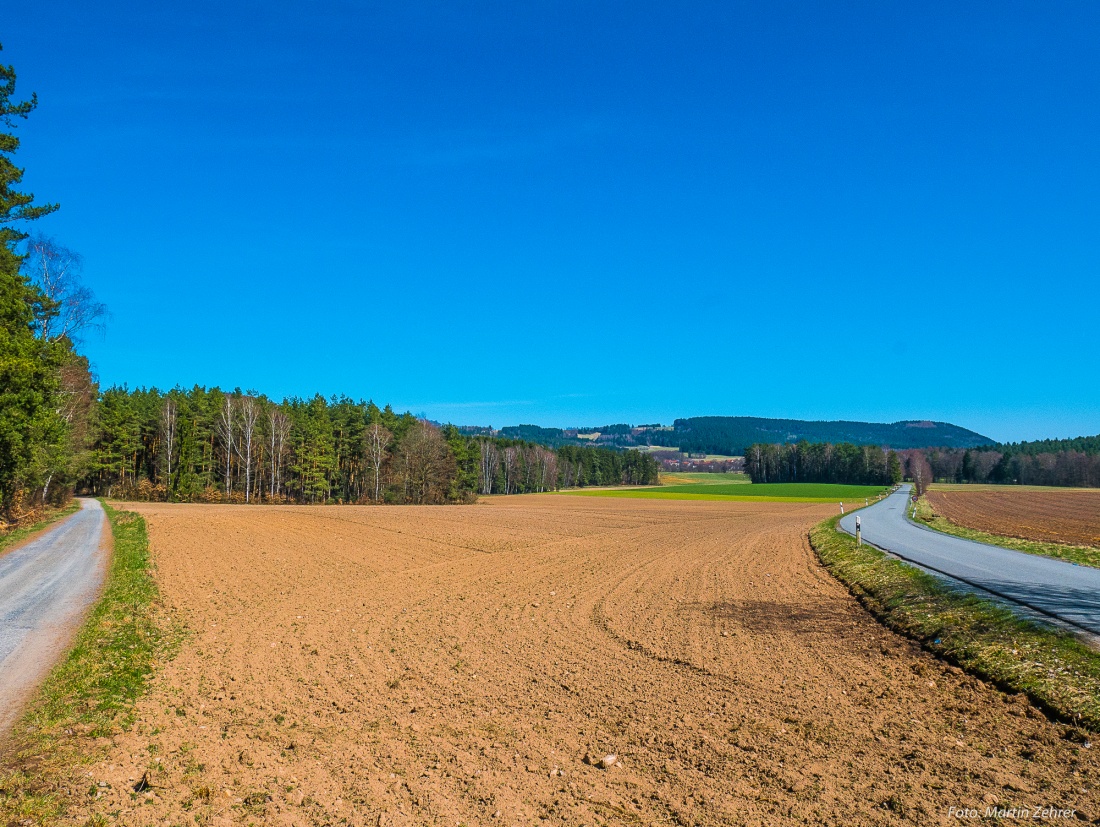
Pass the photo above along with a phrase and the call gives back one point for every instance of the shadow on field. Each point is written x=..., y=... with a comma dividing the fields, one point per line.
x=817, y=619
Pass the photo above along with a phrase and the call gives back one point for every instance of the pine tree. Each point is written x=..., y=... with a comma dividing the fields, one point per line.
x=31, y=429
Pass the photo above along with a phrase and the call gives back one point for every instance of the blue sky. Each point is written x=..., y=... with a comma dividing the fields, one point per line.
x=579, y=213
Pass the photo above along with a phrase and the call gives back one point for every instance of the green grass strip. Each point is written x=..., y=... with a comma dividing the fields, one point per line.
x=19, y=534
x=666, y=494
x=91, y=693
x=791, y=492
x=1058, y=672
x=703, y=478
x=828, y=491
x=1081, y=555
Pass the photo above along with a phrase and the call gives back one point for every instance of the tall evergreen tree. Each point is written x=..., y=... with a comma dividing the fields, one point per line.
x=32, y=431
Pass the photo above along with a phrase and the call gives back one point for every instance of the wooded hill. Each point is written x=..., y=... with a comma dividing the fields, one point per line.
x=730, y=435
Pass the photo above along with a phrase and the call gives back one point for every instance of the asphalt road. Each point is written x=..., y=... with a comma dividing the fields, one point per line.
x=1068, y=592
x=46, y=586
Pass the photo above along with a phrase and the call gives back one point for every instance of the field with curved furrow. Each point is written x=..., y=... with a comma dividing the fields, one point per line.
x=409, y=666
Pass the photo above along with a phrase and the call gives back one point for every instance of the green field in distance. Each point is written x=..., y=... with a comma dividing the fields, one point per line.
x=702, y=478
x=807, y=492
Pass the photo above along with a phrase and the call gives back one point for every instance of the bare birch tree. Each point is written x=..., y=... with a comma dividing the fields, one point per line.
x=490, y=462
x=278, y=431
x=529, y=462
x=249, y=416
x=378, y=440
x=226, y=430
x=169, y=413
x=511, y=468
x=548, y=479
x=72, y=307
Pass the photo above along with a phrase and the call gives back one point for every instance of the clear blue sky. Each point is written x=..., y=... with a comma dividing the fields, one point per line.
x=578, y=213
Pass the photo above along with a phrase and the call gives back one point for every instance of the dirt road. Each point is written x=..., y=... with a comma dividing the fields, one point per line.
x=401, y=666
x=46, y=586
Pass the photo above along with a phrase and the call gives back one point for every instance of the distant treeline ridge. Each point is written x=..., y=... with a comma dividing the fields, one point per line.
x=1022, y=463
x=731, y=435
x=1089, y=445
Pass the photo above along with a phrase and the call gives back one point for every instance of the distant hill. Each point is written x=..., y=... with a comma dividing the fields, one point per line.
x=553, y=437
x=731, y=434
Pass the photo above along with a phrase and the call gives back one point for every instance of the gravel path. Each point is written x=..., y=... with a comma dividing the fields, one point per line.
x=45, y=588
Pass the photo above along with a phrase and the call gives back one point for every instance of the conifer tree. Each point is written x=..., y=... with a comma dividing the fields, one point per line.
x=31, y=430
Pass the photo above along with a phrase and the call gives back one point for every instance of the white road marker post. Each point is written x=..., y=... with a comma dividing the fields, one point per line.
x=859, y=532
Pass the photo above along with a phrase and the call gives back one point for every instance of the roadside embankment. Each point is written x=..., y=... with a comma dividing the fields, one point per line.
x=1056, y=670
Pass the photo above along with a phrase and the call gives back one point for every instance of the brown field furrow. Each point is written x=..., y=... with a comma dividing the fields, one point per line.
x=407, y=666
x=1053, y=516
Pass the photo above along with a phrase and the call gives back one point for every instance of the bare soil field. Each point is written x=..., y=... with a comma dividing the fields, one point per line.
x=1050, y=515
x=409, y=666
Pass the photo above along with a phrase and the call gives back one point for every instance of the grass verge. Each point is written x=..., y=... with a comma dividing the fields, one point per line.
x=91, y=693
x=1059, y=673
x=19, y=534
x=1081, y=555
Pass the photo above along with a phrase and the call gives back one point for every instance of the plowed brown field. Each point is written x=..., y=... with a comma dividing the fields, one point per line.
x=408, y=666
x=1046, y=516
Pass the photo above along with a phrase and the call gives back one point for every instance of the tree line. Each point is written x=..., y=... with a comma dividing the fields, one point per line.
x=848, y=463
x=1030, y=466
x=510, y=466
x=1089, y=445
x=840, y=462
x=210, y=445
